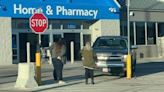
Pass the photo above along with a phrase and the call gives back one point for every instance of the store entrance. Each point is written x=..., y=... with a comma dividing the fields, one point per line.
x=75, y=37
x=23, y=39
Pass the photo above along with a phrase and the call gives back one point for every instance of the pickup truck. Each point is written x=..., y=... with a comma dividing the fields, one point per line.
x=111, y=52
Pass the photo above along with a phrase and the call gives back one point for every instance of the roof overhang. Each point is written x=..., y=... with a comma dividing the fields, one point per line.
x=117, y=3
x=24, y=9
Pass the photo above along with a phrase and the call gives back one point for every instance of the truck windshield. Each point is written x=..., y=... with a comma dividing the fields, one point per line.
x=111, y=43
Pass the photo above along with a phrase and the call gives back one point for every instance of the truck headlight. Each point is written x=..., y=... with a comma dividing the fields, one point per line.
x=102, y=57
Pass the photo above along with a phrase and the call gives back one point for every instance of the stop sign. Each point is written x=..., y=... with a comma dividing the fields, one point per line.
x=38, y=22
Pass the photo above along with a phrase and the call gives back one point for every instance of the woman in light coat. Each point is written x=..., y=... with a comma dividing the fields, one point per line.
x=88, y=59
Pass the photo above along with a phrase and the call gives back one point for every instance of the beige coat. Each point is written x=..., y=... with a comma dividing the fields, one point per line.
x=88, y=58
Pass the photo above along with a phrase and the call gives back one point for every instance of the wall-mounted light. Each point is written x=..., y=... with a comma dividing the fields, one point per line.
x=131, y=13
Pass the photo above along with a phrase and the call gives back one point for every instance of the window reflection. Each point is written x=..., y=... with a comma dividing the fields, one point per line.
x=160, y=29
x=123, y=29
x=140, y=33
x=131, y=33
x=86, y=38
x=56, y=24
x=56, y=37
x=151, y=34
x=20, y=23
x=45, y=40
x=14, y=39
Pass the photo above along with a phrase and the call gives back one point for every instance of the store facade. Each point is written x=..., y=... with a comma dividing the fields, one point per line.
x=74, y=20
x=146, y=27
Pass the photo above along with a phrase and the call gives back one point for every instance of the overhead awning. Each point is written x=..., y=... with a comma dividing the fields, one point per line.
x=76, y=9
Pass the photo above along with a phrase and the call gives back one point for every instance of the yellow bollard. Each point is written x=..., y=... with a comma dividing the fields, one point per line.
x=38, y=67
x=128, y=67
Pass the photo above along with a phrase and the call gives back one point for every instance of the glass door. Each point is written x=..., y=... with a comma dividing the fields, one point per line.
x=56, y=37
x=75, y=37
x=45, y=40
x=23, y=39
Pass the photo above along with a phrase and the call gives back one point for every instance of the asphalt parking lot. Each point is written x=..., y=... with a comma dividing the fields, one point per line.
x=149, y=78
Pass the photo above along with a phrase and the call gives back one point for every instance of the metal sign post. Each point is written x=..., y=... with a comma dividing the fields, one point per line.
x=128, y=67
x=38, y=24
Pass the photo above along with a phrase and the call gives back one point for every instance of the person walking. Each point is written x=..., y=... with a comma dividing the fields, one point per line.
x=88, y=60
x=57, y=52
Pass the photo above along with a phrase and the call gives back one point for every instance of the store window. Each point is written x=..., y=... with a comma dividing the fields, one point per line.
x=86, y=38
x=14, y=40
x=124, y=31
x=160, y=29
x=131, y=33
x=71, y=26
x=140, y=33
x=151, y=34
x=21, y=23
x=14, y=46
x=87, y=24
x=123, y=28
x=56, y=24
x=56, y=37
x=13, y=23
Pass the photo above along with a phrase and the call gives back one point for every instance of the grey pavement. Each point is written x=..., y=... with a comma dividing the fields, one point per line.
x=149, y=78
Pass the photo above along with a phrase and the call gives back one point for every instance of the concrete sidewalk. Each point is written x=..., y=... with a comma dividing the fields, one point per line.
x=149, y=79
x=9, y=75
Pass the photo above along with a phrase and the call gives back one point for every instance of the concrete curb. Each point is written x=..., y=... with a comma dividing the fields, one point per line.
x=10, y=87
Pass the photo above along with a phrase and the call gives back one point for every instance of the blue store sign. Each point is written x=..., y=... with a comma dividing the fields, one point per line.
x=25, y=9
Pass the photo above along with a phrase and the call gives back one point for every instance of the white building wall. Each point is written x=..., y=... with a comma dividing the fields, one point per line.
x=6, y=41
x=105, y=28
x=160, y=46
x=110, y=27
x=96, y=30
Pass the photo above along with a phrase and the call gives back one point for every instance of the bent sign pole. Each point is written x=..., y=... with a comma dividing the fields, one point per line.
x=38, y=24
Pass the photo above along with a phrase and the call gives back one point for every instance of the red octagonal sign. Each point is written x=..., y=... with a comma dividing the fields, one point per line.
x=38, y=22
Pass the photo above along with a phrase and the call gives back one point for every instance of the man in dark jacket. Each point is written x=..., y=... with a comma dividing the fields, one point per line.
x=57, y=52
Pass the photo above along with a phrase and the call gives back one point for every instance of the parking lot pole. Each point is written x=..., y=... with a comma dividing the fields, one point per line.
x=129, y=70
x=28, y=52
x=38, y=68
x=72, y=51
x=38, y=62
x=128, y=67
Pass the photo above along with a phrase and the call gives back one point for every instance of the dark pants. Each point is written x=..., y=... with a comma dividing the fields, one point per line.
x=58, y=69
x=89, y=74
